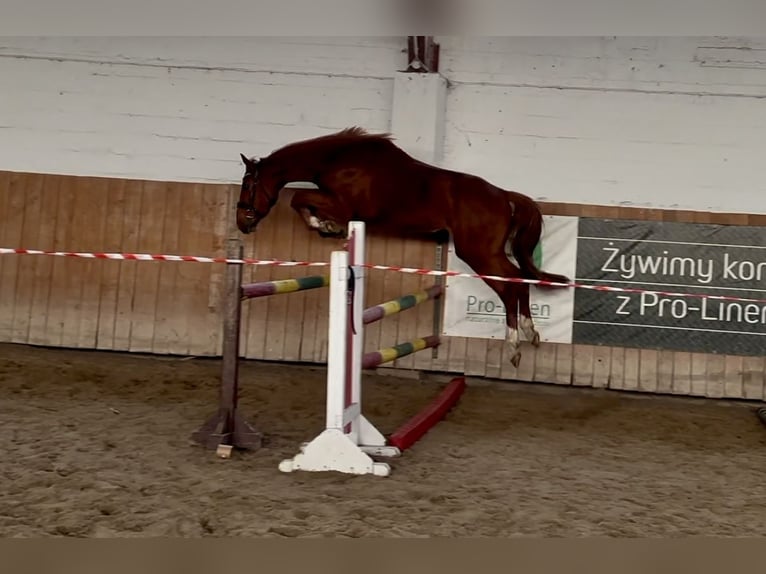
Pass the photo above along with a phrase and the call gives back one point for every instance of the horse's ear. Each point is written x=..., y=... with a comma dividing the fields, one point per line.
x=249, y=162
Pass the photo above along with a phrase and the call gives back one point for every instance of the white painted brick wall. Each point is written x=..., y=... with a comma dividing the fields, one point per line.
x=182, y=108
x=671, y=123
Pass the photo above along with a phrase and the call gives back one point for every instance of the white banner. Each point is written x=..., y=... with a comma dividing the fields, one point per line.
x=472, y=309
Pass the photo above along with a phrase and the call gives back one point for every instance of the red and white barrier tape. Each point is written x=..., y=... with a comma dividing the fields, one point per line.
x=153, y=257
x=411, y=270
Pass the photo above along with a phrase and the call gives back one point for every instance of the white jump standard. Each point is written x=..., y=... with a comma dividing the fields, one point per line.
x=349, y=439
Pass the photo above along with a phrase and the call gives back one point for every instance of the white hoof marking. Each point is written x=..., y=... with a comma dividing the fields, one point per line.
x=528, y=327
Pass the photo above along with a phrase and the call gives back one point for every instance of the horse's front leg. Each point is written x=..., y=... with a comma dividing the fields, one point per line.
x=320, y=212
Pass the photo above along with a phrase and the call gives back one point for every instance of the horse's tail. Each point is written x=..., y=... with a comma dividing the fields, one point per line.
x=529, y=219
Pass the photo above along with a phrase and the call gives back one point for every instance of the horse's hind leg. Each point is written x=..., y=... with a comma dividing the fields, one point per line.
x=497, y=263
x=525, y=316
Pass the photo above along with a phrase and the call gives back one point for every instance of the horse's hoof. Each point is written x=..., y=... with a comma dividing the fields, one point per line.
x=536, y=339
x=516, y=359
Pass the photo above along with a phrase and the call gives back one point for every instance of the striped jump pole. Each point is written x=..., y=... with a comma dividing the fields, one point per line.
x=375, y=358
x=394, y=306
x=265, y=288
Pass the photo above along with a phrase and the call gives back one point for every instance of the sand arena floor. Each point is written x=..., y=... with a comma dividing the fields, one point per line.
x=97, y=444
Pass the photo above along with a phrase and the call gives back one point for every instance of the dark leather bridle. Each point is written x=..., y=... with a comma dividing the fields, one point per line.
x=250, y=211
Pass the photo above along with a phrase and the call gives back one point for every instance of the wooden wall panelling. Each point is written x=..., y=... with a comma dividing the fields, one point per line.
x=9, y=236
x=665, y=362
x=458, y=347
x=732, y=382
x=475, y=362
x=494, y=358
x=563, y=368
x=114, y=200
x=715, y=375
x=530, y=361
x=280, y=247
x=41, y=285
x=92, y=226
x=253, y=318
x=29, y=215
x=544, y=363
x=424, y=253
x=417, y=321
x=75, y=269
x=317, y=301
x=682, y=373
x=632, y=370
x=168, y=318
x=295, y=303
x=583, y=365
x=602, y=366
x=62, y=278
x=128, y=270
x=150, y=235
x=617, y=368
x=698, y=386
x=183, y=286
x=508, y=371
x=647, y=370
x=391, y=282
x=754, y=378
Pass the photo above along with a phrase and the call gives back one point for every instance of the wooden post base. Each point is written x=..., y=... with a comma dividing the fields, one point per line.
x=236, y=432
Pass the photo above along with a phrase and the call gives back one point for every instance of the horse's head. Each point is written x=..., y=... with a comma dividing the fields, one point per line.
x=256, y=197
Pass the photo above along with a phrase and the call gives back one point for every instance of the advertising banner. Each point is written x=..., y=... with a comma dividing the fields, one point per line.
x=728, y=260
x=472, y=309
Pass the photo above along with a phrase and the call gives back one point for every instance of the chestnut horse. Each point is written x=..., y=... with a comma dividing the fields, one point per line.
x=366, y=177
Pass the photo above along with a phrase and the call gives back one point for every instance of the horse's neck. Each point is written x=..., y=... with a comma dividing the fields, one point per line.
x=295, y=165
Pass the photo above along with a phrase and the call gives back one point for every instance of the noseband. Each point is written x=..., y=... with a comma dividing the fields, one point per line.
x=250, y=211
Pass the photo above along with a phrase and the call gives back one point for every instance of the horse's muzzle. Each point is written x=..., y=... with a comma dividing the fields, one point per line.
x=246, y=221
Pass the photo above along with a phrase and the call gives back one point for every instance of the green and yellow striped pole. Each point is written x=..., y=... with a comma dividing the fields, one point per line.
x=388, y=354
x=397, y=305
x=284, y=286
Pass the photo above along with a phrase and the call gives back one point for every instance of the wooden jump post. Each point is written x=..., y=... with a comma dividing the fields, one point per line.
x=349, y=439
x=227, y=429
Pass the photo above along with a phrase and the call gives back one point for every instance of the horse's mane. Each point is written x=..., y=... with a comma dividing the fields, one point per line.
x=357, y=132
x=350, y=135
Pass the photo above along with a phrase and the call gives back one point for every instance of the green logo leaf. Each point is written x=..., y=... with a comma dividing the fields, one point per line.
x=537, y=255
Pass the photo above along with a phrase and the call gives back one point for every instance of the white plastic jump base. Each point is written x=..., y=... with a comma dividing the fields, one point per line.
x=334, y=450
x=349, y=440
x=370, y=441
